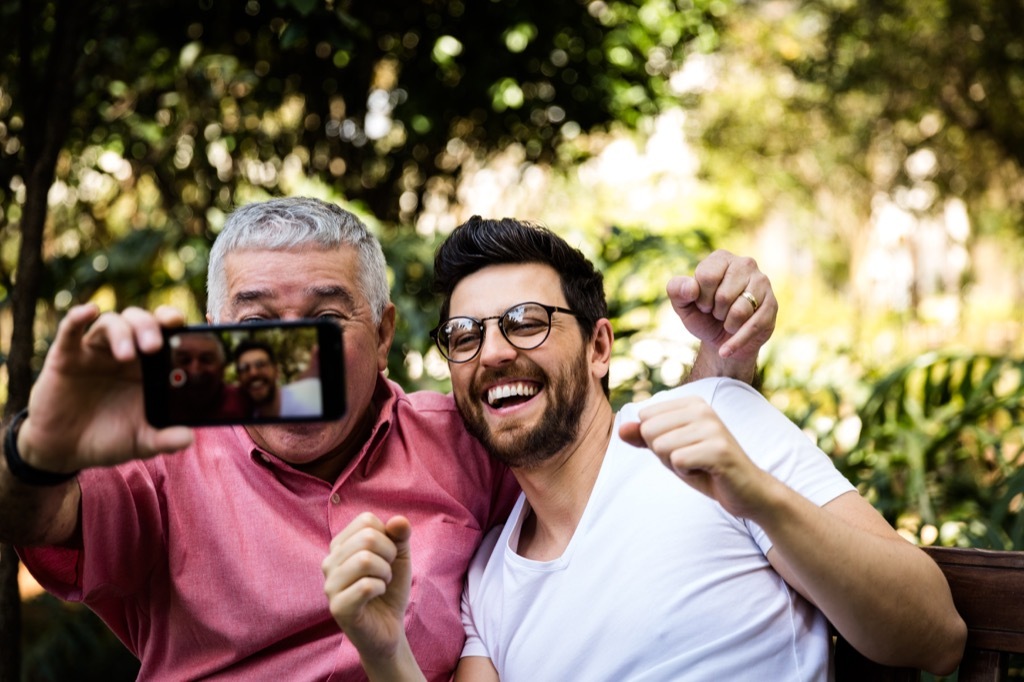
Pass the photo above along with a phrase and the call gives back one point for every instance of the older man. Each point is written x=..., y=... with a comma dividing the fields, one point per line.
x=206, y=562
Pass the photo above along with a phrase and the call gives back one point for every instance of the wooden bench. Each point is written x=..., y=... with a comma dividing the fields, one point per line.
x=988, y=590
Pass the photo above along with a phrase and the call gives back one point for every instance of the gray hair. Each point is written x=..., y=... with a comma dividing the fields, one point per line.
x=292, y=223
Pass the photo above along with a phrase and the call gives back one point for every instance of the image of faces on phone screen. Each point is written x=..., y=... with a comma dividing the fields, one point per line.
x=262, y=372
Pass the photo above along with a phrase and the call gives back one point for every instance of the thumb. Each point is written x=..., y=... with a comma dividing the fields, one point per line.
x=172, y=439
x=682, y=291
x=399, y=530
x=630, y=432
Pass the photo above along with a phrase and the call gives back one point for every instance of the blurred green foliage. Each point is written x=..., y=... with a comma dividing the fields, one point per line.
x=170, y=113
x=936, y=444
x=69, y=642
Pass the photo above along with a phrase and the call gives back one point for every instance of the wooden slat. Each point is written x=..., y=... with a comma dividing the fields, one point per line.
x=988, y=590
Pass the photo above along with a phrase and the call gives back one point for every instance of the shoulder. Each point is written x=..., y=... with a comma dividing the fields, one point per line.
x=432, y=401
x=721, y=393
x=432, y=410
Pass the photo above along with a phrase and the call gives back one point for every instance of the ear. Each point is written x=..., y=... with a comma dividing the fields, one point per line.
x=385, y=335
x=601, y=348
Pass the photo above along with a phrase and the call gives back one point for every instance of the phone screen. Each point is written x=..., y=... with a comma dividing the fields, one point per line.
x=259, y=372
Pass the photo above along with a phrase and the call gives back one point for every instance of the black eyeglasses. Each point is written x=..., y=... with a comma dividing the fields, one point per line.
x=246, y=367
x=524, y=325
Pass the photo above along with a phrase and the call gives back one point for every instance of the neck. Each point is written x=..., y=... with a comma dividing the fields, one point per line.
x=558, y=490
x=330, y=466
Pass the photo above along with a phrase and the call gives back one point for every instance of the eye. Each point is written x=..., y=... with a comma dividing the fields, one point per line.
x=462, y=333
x=463, y=338
x=525, y=321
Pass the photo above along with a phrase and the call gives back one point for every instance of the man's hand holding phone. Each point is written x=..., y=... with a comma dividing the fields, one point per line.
x=115, y=387
x=86, y=407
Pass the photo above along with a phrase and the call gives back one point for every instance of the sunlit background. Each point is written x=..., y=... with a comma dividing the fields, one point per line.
x=868, y=156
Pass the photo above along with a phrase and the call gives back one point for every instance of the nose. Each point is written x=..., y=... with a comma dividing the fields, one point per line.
x=495, y=349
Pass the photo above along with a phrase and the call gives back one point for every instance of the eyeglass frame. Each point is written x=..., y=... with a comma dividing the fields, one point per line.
x=253, y=366
x=549, y=309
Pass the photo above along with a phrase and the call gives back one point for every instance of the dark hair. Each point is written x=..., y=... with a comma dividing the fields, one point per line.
x=479, y=243
x=252, y=344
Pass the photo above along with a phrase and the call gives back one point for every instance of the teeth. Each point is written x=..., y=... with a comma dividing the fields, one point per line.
x=508, y=390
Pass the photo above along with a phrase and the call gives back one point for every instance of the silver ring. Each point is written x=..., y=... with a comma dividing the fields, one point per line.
x=750, y=299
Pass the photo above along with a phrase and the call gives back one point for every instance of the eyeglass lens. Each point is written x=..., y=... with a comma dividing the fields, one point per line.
x=525, y=326
x=254, y=365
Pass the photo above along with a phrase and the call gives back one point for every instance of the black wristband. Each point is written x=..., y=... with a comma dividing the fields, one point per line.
x=19, y=468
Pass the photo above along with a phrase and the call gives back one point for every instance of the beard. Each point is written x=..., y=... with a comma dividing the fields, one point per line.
x=269, y=393
x=523, y=448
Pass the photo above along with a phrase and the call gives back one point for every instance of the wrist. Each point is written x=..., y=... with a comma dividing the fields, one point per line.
x=398, y=666
x=22, y=470
x=709, y=363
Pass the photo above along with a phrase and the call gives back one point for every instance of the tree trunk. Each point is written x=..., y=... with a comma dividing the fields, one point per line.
x=48, y=98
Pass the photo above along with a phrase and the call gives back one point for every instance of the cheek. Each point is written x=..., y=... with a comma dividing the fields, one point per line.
x=360, y=369
x=462, y=380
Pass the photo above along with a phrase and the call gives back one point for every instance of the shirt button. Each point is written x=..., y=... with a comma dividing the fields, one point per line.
x=335, y=498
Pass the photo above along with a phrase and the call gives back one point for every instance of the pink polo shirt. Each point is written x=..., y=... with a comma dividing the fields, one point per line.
x=207, y=562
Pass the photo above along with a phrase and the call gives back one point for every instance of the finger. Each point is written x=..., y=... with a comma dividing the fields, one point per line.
x=741, y=275
x=173, y=439
x=755, y=330
x=113, y=333
x=682, y=292
x=666, y=426
x=348, y=598
x=145, y=329
x=342, y=572
x=74, y=326
x=399, y=530
x=743, y=297
x=630, y=433
x=667, y=406
x=709, y=275
x=347, y=606
x=372, y=540
x=356, y=525
x=169, y=316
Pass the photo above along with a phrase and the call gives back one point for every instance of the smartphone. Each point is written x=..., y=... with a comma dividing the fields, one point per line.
x=263, y=372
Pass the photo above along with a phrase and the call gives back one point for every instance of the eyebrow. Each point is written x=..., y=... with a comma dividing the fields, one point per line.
x=327, y=291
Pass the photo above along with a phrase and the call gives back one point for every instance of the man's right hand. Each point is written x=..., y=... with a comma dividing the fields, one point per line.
x=86, y=408
x=367, y=579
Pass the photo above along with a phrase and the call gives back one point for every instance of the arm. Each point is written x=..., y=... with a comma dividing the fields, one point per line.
x=85, y=410
x=476, y=669
x=714, y=307
x=367, y=577
x=886, y=596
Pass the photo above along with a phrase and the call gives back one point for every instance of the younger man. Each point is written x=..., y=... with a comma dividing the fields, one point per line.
x=723, y=556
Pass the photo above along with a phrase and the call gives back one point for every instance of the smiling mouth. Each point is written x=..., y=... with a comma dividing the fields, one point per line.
x=511, y=394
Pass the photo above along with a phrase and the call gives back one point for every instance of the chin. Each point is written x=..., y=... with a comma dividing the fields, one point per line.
x=296, y=443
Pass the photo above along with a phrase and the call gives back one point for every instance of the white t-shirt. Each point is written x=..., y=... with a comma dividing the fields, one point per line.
x=301, y=399
x=659, y=582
